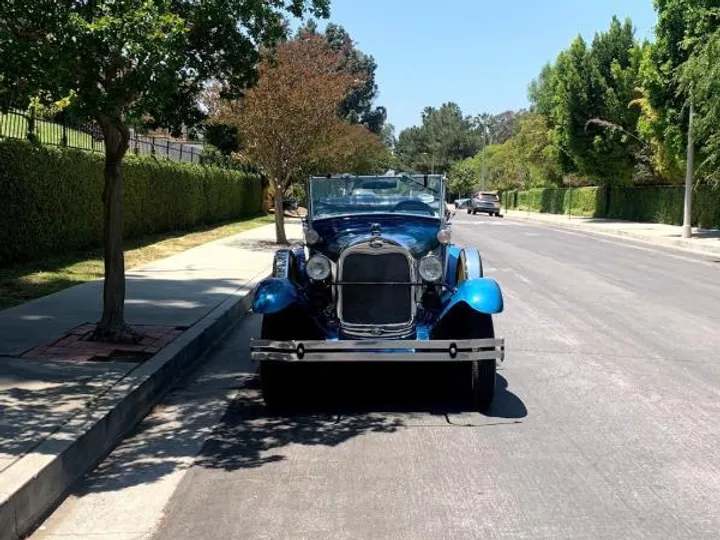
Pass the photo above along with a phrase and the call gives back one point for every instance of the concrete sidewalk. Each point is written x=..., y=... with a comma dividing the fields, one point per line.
x=64, y=402
x=704, y=242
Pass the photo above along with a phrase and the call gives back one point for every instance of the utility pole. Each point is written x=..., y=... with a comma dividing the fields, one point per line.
x=687, y=211
x=484, y=167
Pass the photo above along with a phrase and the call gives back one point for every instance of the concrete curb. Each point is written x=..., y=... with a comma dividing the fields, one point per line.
x=32, y=487
x=671, y=243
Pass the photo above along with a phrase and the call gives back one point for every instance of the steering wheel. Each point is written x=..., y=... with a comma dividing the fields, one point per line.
x=413, y=206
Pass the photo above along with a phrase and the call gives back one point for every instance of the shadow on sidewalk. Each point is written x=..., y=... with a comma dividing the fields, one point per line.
x=39, y=395
x=37, y=398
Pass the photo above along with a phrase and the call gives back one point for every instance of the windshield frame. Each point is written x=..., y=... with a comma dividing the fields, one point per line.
x=414, y=178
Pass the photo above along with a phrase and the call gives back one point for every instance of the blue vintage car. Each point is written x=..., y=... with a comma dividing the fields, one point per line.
x=378, y=279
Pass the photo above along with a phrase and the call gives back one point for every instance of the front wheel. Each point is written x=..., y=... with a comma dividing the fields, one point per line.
x=483, y=383
x=476, y=379
x=276, y=383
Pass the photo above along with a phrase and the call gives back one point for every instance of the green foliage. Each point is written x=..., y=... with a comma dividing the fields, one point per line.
x=585, y=95
x=498, y=128
x=587, y=201
x=706, y=206
x=444, y=138
x=528, y=159
x=357, y=107
x=223, y=137
x=541, y=91
x=136, y=61
x=678, y=20
x=52, y=198
x=651, y=204
x=535, y=142
x=700, y=79
x=647, y=204
x=463, y=179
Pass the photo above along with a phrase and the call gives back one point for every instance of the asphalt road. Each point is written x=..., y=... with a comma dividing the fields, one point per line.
x=607, y=424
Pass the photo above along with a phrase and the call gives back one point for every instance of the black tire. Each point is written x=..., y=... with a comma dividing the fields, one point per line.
x=483, y=384
x=476, y=380
x=275, y=380
x=482, y=379
x=277, y=391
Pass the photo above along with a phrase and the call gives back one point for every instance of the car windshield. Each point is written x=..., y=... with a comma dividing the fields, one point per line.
x=351, y=195
x=488, y=197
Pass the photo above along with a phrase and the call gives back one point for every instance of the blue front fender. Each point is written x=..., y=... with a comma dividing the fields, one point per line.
x=481, y=294
x=274, y=294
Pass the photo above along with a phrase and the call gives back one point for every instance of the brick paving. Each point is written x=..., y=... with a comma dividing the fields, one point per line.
x=76, y=345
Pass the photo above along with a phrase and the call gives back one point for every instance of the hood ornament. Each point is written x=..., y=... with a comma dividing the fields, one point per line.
x=375, y=229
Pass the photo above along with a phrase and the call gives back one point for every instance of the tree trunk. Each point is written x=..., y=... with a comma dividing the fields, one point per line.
x=112, y=325
x=280, y=237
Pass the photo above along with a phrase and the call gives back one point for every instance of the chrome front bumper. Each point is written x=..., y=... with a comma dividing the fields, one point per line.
x=462, y=350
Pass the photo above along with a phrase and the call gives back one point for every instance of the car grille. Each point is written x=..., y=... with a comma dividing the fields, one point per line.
x=376, y=289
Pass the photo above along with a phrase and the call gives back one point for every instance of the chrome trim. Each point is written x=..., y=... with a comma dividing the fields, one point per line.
x=370, y=247
x=329, y=265
x=281, y=263
x=442, y=266
x=393, y=331
x=461, y=350
x=472, y=263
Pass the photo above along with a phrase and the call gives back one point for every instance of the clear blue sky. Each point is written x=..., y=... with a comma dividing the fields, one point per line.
x=480, y=54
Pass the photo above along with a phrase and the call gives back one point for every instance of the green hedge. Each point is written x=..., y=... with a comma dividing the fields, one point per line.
x=581, y=201
x=653, y=204
x=647, y=204
x=51, y=198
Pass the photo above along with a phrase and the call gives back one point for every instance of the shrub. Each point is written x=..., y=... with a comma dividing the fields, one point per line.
x=651, y=204
x=586, y=201
x=51, y=198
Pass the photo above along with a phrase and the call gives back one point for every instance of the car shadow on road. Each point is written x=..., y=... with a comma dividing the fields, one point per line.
x=329, y=414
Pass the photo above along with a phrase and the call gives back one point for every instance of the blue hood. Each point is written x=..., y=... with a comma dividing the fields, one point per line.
x=417, y=234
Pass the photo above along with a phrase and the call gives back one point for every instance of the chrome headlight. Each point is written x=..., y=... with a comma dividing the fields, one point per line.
x=318, y=268
x=311, y=236
x=444, y=235
x=431, y=268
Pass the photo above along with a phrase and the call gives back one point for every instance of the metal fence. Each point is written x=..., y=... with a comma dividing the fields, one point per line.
x=58, y=131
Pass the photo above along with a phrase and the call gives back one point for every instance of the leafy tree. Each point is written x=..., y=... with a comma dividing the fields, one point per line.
x=130, y=62
x=357, y=107
x=387, y=134
x=505, y=168
x=291, y=114
x=578, y=92
x=498, y=127
x=536, y=148
x=586, y=96
x=682, y=30
x=541, y=91
x=700, y=81
x=445, y=137
x=617, y=57
x=351, y=148
x=222, y=137
x=463, y=179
